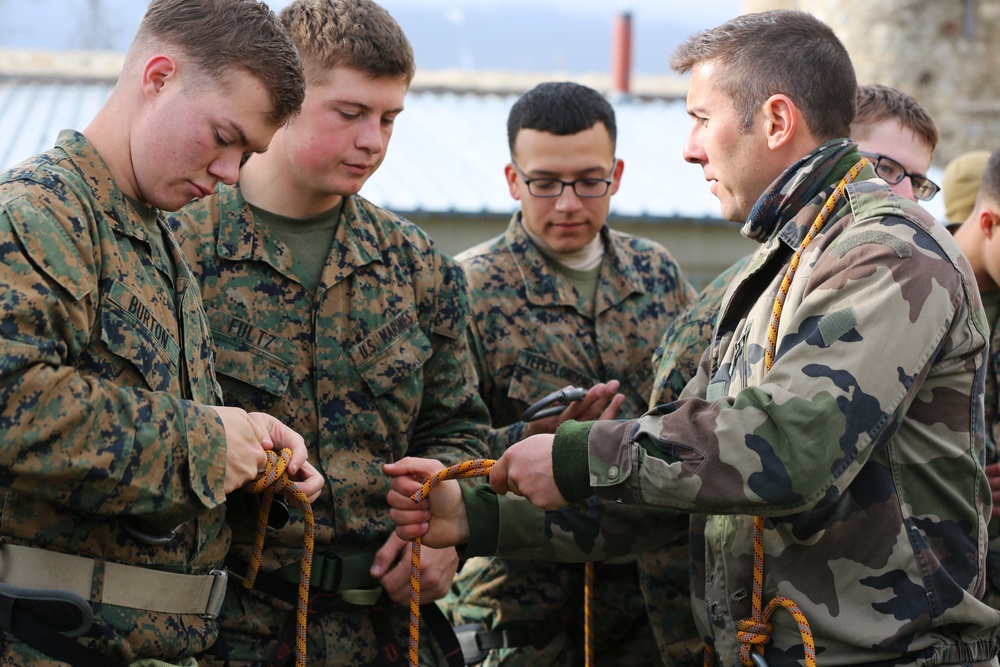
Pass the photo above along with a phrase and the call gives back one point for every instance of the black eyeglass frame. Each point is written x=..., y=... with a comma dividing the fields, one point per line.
x=562, y=184
x=920, y=183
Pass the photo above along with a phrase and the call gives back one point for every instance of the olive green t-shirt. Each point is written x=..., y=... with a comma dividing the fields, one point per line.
x=308, y=239
x=584, y=281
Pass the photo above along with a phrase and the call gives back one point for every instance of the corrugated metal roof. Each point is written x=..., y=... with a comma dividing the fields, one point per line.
x=447, y=152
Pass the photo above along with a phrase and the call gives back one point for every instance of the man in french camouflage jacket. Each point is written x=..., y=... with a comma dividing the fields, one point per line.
x=347, y=321
x=862, y=458
x=115, y=463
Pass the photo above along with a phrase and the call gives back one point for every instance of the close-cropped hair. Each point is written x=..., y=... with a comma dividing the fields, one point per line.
x=877, y=103
x=785, y=52
x=561, y=108
x=358, y=34
x=989, y=189
x=219, y=36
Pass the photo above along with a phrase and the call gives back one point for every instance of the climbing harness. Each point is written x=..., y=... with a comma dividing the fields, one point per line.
x=465, y=470
x=273, y=480
x=753, y=633
x=553, y=404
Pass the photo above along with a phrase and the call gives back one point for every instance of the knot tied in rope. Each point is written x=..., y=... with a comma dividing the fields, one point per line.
x=275, y=479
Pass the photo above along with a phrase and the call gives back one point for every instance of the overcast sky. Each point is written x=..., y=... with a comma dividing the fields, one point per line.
x=520, y=35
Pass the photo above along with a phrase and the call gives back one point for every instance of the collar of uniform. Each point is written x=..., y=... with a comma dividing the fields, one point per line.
x=106, y=192
x=240, y=239
x=797, y=186
x=622, y=277
x=545, y=287
x=356, y=241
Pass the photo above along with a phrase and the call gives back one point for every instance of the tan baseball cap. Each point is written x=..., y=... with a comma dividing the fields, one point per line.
x=960, y=184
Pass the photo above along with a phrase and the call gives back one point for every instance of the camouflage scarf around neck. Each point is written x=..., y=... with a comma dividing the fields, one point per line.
x=797, y=186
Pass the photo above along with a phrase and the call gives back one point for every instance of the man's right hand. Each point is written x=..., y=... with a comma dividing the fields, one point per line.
x=246, y=441
x=439, y=520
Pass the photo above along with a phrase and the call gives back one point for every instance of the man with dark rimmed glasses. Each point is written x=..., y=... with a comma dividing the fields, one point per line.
x=898, y=136
x=560, y=299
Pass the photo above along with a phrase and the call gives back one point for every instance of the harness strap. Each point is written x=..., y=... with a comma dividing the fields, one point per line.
x=129, y=586
x=48, y=621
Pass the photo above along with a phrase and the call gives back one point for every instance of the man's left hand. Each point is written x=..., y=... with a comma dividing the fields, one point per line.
x=392, y=569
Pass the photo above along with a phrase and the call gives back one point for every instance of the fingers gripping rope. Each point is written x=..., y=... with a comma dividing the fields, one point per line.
x=467, y=469
x=464, y=470
x=273, y=480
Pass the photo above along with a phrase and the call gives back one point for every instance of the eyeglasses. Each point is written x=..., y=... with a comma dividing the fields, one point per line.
x=549, y=188
x=892, y=172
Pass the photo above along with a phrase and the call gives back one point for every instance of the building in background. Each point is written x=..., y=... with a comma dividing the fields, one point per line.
x=449, y=148
x=942, y=53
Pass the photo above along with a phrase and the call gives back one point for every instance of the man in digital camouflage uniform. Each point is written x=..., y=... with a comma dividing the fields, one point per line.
x=115, y=464
x=590, y=316
x=863, y=457
x=979, y=238
x=346, y=321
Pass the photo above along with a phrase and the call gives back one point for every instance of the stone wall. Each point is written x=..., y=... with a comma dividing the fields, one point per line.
x=940, y=51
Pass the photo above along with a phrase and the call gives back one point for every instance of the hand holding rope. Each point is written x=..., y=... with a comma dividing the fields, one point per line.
x=465, y=470
x=273, y=480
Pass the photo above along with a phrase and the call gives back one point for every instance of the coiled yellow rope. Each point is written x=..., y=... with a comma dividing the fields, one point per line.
x=274, y=480
x=753, y=633
x=464, y=470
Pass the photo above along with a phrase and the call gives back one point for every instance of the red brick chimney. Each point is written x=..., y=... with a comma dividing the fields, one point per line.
x=621, y=54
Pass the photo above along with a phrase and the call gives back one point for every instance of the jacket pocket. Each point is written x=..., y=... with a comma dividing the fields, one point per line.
x=132, y=333
x=391, y=354
x=254, y=366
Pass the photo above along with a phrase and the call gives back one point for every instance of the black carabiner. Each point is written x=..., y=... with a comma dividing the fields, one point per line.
x=548, y=406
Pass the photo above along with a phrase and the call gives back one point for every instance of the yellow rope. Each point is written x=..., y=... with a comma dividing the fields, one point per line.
x=474, y=468
x=753, y=633
x=274, y=480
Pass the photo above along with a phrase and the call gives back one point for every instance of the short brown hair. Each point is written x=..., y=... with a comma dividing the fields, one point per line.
x=358, y=34
x=877, y=103
x=781, y=51
x=989, y=190
x=221, y=35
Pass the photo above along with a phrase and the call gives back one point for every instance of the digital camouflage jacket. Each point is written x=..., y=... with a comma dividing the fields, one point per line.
x=862, y=447
x=372, y=367
x=105, y=369
x=532, y=333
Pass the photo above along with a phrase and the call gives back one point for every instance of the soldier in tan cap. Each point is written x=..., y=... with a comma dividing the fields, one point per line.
x=960, y=184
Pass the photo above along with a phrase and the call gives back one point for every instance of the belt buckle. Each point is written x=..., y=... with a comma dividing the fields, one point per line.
x=468, y=641
x=216, y=595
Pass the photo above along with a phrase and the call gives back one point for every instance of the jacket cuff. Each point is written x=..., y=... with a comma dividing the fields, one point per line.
x=570, y=461
x=483, y=514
